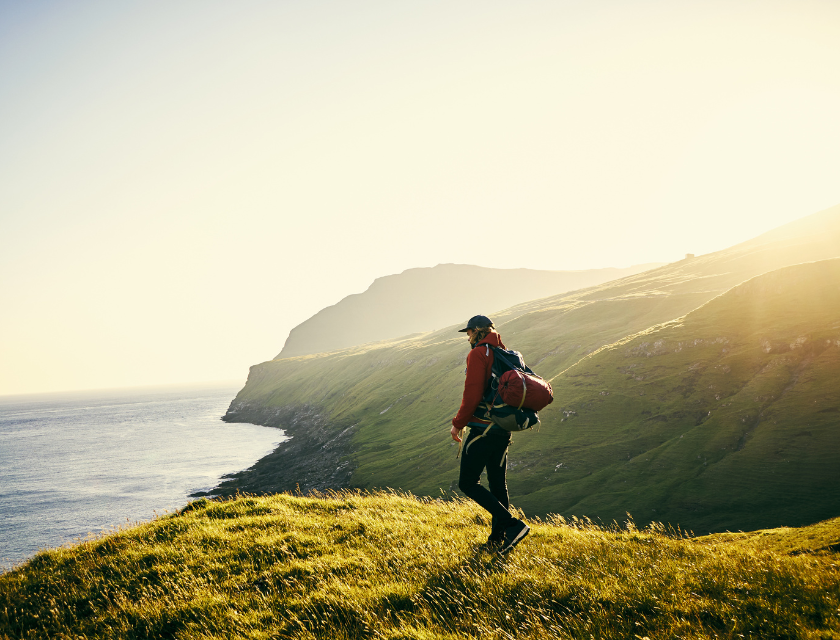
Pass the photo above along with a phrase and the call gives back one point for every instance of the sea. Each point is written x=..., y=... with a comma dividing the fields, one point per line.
x=75, y=465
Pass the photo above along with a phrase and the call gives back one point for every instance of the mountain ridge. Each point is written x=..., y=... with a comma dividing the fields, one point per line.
x=390, y=403
x=427, y=298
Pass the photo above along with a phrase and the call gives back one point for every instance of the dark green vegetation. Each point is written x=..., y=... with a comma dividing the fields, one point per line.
x=728, y=418
x=398, y=567
x=418, y=300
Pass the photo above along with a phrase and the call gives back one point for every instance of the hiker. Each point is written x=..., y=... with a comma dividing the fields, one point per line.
x=487, y=444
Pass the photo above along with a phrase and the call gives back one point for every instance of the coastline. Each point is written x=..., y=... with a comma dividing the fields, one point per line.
x=316, y=455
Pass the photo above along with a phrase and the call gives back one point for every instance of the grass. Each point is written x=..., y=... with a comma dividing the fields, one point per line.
x=389, y=565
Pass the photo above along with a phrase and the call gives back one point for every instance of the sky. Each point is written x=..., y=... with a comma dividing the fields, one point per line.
x=183, y=182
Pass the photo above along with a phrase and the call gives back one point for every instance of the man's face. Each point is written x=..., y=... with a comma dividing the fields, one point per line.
x=470, y=333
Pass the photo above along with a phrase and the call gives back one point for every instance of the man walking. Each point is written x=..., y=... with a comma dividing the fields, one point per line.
x=487, y=444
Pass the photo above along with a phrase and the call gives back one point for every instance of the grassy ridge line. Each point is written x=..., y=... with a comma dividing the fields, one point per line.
x=823, y=537
x=418, y=300
x=620, y=343
x=388, y=565
x=675, y=323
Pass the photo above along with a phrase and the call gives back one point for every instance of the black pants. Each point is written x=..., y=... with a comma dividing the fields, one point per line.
x=487, y=449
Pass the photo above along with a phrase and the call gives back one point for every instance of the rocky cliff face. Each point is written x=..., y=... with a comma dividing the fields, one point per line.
x=316, y=458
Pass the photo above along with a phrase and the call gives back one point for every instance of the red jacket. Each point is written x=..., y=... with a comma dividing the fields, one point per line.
x=479, y=365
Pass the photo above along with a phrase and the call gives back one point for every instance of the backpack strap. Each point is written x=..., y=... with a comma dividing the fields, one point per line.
x=498, y=353
x=467, y=448
x=504, y=457
x=524, y=390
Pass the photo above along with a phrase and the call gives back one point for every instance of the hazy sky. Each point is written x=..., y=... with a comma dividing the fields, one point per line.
x=182, y=182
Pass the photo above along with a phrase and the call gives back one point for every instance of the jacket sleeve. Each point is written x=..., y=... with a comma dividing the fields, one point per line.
x=477, y=373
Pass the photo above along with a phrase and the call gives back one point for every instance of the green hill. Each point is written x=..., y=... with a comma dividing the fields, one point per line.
x=418, y=300
x=378, y=416
x=397, y=567
x=726, y=418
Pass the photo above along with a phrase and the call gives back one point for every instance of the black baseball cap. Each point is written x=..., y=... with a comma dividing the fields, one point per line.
x=477, y=322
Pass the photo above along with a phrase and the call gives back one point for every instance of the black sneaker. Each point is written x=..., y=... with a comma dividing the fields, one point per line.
x=514, y=534
x=494, y=542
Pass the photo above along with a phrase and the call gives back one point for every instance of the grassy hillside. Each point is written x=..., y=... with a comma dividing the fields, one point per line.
x=418, y=300
x=394, y=566
x=726, y=418
x=378, y=416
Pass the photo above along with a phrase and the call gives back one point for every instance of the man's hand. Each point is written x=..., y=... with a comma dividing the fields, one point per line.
x=456, y=433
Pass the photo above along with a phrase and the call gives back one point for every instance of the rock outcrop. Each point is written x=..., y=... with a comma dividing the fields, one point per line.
x=315, y=458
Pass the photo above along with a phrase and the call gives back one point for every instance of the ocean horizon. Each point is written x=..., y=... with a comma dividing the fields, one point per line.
x=75, y=464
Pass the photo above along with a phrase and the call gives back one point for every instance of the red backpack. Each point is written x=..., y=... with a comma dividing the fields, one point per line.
x=521, y=389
